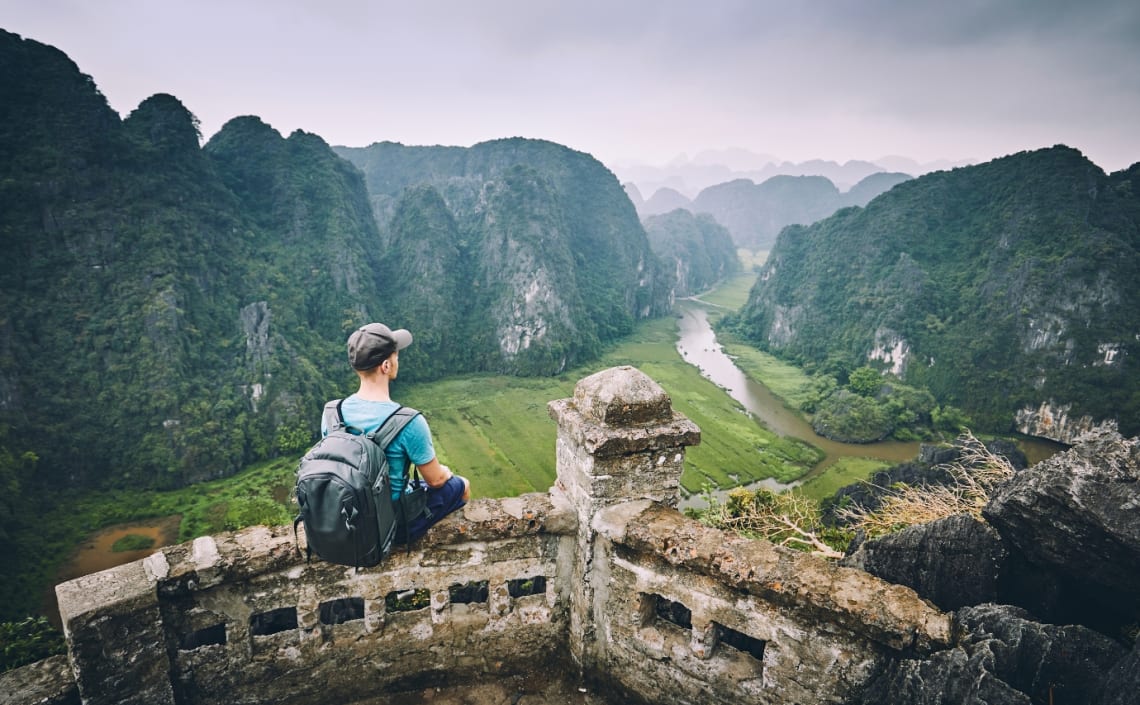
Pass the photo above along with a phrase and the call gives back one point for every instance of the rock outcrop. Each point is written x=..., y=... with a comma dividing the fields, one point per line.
x=1077, y=515
x=1003, y=658
x=1048, y=420
x=953, y=562
x=1061, y=552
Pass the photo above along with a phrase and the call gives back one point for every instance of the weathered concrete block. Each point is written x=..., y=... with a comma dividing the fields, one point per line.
x=622, y=396
x=115, y=637
x=46, y=682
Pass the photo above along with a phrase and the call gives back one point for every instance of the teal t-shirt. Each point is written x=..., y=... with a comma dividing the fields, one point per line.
x=412, y=445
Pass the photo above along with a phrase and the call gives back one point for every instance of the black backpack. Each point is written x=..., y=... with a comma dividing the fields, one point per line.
x=345, y=493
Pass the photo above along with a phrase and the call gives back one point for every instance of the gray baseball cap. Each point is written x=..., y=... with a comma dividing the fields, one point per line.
x=371, y=344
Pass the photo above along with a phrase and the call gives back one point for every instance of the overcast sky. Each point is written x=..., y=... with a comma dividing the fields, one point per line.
x=637, y=80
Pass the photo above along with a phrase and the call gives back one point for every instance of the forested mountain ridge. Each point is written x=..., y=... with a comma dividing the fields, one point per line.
x=700, y=249
x=152, y=328
x=1002, y=287
x=171, y=312
x=539, y=243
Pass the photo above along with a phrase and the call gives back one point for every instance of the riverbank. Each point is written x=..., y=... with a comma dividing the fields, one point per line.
x=836, y=462
x=774, y=391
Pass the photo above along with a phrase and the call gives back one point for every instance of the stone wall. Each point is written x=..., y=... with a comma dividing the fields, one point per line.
x=694, y=615
x=243, y=618
x=601, y=575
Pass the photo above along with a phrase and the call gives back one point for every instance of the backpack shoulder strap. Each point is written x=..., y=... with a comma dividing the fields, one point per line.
x=332, y=417
x=393, y=425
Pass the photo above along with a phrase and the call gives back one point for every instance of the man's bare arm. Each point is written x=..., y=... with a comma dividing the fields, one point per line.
x=437, y=474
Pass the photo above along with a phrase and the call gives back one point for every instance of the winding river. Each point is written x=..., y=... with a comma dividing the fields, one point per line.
x=697, y=344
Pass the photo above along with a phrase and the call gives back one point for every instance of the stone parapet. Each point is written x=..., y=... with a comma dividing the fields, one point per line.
x=618, y=440
x=217, y=619
x=115, y=639
x=697, y=615
x=812, y=588
x=46, y=682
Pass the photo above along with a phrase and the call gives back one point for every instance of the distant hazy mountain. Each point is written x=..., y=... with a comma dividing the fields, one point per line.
x=870, y=187
x=635, y=196
x=907, y=165
x=756, y=213
x=1006, y=288
x=664, y=201
x=712, y=167
x=734, y=158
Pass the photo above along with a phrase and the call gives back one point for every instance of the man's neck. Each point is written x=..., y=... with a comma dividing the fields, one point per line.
x=374, y=389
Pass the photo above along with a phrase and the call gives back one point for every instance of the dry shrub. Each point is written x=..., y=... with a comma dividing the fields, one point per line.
x=973, y=476
x=787, y=519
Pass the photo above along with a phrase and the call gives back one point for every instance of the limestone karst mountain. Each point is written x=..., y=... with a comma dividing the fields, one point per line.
x=755, y=213
x=699, y=248
x=173, y=312
x=1005, y=288
x=540, y=243
x=663, y=201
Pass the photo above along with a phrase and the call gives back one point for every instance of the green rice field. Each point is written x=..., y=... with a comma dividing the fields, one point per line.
x=496, y=431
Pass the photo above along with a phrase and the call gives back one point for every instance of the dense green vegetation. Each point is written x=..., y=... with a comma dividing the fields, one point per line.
x=845, y=471
x=1008, y=284
x=171, y=313
x=132, y=542
x=512, y=256
x=697, y=248
x=173, y=325
x=27, y=641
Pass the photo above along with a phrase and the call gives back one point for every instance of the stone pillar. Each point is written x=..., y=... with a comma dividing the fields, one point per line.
x=115, y=635
x=619, y=440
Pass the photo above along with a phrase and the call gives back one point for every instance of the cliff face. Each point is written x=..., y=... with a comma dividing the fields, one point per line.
x=174, y=312
x=699, y=249
x=550, y=261
x=1001, y=287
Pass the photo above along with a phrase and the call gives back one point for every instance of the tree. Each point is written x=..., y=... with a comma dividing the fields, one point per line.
x=865, y=382
x=14, y=467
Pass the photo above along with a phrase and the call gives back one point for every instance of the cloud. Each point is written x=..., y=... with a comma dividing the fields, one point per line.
x=634, y=79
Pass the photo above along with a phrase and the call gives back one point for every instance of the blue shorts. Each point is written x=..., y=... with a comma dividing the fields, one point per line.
x=441, y=501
